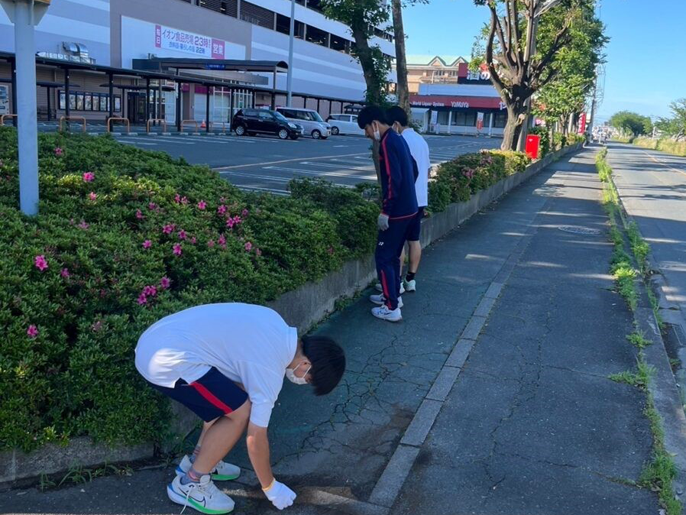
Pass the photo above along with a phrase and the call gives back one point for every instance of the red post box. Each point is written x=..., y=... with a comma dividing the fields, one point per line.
x=533, y=144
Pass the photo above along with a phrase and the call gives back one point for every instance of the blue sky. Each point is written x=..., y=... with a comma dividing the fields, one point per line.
x=646, y=58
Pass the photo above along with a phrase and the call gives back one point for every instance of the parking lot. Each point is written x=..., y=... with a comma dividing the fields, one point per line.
x=264, y=163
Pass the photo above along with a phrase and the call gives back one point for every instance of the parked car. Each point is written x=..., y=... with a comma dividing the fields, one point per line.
x=310, y=120
x=264, y=121
x=344, y=124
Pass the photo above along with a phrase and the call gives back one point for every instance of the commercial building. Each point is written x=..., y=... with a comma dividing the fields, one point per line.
x=427, y=69
x=468, y=105
x=114, y=54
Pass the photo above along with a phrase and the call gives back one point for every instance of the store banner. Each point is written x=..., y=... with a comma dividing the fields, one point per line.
x=479, y=121
x=4, y=100
x=189, y=43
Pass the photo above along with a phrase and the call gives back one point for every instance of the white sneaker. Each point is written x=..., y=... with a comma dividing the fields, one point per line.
x=411, y=285
x=222, y=472
x=202, y=496
x=384, y=313
x=380, y=299
x=380, y=288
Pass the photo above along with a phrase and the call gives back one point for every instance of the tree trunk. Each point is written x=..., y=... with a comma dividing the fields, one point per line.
x=402, y=90
x=516, y=115
x=363, y=52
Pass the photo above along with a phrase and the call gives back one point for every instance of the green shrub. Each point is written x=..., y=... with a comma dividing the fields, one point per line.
x=544, y=133
x=125, y=237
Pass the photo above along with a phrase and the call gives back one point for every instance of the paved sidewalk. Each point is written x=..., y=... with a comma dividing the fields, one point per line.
x=532, y=425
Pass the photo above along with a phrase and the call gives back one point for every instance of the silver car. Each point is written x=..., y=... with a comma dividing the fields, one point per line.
x=309, y=119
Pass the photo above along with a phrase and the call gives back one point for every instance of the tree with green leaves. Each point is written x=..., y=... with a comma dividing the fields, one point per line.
x=674, y=127
x=577, y=62
x=519, y=64
x=362, y=16
x=632, y=123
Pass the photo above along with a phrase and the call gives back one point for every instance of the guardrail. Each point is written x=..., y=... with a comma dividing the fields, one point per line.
x=186, y=122
x=156, y=120
x=74, y=118
x=118, y=119
x=2, y=118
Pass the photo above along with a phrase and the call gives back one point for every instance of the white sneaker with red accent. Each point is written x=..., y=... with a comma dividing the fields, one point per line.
x=391, y=315
x=380, y=288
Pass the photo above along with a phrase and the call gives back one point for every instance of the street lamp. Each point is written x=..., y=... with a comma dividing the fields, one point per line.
x=531, y=30
x=289, y=80
x=26, y=14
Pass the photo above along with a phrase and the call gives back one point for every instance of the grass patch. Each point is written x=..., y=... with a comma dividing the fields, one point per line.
x=638, y=340
x=639, y=247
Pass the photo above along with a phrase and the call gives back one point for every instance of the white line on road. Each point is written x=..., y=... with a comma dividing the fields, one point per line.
x=222, y=168
x=320, y=174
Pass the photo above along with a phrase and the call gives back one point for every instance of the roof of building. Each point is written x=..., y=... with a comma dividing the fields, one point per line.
x=426, y=59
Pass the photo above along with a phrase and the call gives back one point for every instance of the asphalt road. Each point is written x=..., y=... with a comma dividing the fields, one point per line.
x=265, y=163
x=653, y=187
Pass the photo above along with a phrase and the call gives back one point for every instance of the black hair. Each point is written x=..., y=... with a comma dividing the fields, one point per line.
x=328, y=362
x=370, y=114
x=396, y=114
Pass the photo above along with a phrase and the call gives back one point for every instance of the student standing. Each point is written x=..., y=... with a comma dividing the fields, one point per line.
x=419, y=149
x=399, y=208
x=226, y=363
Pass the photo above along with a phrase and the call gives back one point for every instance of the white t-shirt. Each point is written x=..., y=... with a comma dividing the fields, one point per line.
x=420, y=153
x=249, y=344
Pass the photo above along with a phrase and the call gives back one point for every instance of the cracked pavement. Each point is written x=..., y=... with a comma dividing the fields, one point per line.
x=532, y=425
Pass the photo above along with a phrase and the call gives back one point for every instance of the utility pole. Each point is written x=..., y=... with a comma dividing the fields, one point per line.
x=289, y=79
x=26, y=14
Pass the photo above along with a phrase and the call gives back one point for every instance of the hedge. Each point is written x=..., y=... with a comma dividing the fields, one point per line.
x=125, y=237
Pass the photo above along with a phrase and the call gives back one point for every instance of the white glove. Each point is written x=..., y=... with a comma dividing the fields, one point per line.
x=382, y=222
x=280, y=495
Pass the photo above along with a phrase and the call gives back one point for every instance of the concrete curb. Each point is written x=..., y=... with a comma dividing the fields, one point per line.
x=664, y=388
x=302, y=308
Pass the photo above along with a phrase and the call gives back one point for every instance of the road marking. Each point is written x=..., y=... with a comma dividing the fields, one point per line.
x=233, y=167
x=337, y=167
x=322, y=173
x=664, y=164
x=340, y=146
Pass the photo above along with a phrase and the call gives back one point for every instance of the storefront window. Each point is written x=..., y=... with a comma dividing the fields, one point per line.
x=500, y=120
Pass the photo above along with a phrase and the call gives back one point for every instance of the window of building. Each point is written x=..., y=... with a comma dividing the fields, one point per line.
x=283, y=25
x=464, y=118
x=314, y=35
x=500, y=120
x=340, y=44
x=228, y=7
x=257, y=15
x=315, y=5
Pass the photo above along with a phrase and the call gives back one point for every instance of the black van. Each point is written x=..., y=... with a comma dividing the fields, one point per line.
x=264, y=121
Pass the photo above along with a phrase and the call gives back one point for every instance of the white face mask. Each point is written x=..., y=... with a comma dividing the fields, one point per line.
x=377, y=135
x=290, y=375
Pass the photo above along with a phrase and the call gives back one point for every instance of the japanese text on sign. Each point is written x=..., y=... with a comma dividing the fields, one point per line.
x=189, y=43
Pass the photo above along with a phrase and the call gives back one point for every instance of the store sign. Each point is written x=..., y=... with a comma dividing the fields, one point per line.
x=479, y=75
x=189, y=43
x=4, y=100
x=65, y=57
x=454, y=105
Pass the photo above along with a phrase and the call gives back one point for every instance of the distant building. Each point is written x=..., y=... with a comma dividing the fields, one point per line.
x=426, y=69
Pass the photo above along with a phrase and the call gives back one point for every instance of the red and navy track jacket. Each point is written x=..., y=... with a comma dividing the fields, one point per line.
x=398, y=174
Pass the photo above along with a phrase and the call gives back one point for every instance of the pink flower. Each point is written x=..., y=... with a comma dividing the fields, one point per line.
x=147, y=244
x=258, y=252
x=58, y=151
x=92, y=196
x=210, y=243
x=142, y=299
x=193, y=240
x=139, y=214
x=168, y=229
x=150, y=291
x=165, y=282
x=221, y=209
x=88, y=177
x=245, y=213
x=248, y=246
x=83, y=225
x=97, y=326
x=182, y=234
x=330, y=250
x=180, y=200
x=32, y=331
x=222, y=240
x=65, y=273
x=178, y=250
x=41, y=263
x=202, y=205
x=230, y=223
x=152, y=206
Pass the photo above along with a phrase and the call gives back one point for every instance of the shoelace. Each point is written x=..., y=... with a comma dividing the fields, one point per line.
x=188, y=493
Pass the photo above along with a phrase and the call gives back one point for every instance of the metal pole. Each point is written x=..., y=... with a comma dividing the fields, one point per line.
x=291, y=37
x=111, y=90
x=207, y=110
x=14, y=90
x=49, y=103
x=67, y=107
x=231, y=93
x=24, y=47
x=274, y=90
x=147, y=99
x=178, y=107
